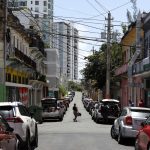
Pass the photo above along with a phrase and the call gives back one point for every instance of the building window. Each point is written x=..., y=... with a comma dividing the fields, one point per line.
x=36, y=2
x=18, y=43
x=23, y=3
x=14, y=78
x=45, y=9
x=31, y=8
x=20, y=46
x=19, y=79
x=36, y=9
x=45, y=3
x=14, y=41
x=45, y=16
x=49, y=6
x=36, y=15
x=31, y=2
x=8, y=77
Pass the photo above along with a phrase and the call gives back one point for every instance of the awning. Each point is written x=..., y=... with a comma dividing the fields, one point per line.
x=17, y=85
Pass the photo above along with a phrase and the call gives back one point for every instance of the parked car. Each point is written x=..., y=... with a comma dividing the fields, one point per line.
x=61, y=105
x=20, y=119
x=95, y=110
x=8, y=140
x=129, y=122
x=90, y=106
x=51, y=110
x=86, y=102
x=108, y=110
x=142, y=141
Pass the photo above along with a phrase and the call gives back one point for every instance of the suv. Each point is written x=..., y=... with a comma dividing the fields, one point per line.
x=51, y=109
x=108, y=110
x=24, y=125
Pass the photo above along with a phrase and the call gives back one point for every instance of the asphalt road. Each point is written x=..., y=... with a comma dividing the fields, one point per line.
x=82, y=135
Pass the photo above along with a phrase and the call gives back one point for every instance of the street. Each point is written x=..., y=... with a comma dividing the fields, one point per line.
x=82, y=135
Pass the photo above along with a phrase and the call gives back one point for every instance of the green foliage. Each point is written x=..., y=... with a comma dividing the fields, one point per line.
x=62, y=90
x=95, y=70
x=74, y=86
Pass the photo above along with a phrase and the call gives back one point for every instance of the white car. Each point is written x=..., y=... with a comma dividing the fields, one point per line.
x=24, y=125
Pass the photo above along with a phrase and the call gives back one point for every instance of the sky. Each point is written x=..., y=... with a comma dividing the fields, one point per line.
x=89, y=17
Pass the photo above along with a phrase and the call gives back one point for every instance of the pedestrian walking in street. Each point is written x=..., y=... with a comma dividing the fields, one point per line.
x=75, y=112
x=141, y=103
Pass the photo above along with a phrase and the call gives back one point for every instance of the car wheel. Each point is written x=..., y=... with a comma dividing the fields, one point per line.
x=120, y=138
x=96, y=120
x=28, y=142
x=112, y=132
x=35, y=141
x=61, y=118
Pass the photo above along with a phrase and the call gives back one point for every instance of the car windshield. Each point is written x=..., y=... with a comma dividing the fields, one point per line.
x=6, y=111
x=140, y=113
x=110, y=103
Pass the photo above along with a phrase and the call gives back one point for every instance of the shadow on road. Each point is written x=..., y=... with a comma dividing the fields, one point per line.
x=128, y=142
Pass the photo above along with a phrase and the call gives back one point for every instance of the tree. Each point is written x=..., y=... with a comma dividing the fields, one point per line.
x=95, y=70
x=74, y=86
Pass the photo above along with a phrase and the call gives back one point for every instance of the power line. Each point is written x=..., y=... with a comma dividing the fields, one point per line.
x=104, y=8
x=95, y=8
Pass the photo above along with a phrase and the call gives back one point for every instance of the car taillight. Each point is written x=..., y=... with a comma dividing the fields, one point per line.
x=128, y=120
x=15, y=120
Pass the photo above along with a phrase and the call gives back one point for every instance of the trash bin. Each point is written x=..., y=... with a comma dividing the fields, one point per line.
x=37, y=113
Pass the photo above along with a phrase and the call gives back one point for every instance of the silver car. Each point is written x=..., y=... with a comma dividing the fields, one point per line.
x=51, y=109
x=129, y=122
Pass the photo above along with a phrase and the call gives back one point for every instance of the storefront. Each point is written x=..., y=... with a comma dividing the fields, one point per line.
x=18, y=92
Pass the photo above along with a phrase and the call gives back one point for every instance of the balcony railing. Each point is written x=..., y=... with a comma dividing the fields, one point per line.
x=141, y=66
x=121, y=70
x=26, y=60
x=137, y=68
x=146, y=64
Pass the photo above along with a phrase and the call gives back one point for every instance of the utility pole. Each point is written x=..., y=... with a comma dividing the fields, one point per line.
x=3, y=48
x=108, y=56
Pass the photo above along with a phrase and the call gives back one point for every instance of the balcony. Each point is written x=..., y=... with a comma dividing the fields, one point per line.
x=38, y=43
x=121, y=70
x=137, y=68
x=146, y=64
x=23, y=58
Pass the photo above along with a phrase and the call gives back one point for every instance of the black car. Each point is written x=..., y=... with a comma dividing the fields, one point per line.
x=108, y=110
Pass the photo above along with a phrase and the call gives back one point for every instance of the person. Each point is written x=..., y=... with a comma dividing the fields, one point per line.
x=131, y=104
x=141, y=103
x=75, y=112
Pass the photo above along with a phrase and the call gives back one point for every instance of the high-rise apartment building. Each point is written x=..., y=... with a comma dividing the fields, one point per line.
x=66, y=41
x=42, y=11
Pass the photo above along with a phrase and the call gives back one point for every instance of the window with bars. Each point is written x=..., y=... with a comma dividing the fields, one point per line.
x=36, y=2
